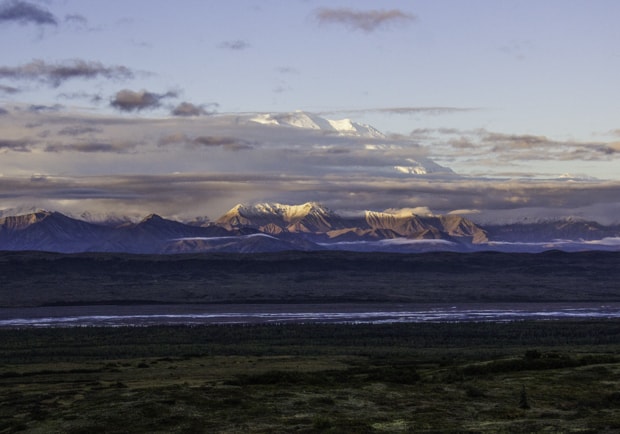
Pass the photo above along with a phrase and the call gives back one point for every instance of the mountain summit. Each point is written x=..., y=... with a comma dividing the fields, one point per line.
x=300, y=119
x=275, y=218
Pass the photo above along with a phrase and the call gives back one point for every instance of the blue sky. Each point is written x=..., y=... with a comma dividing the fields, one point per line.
x=495, y=90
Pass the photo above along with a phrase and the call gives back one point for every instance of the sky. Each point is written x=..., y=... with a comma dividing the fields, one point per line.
x=145, y=106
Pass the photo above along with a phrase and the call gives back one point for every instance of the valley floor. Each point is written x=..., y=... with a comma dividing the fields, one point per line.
x=550, y=376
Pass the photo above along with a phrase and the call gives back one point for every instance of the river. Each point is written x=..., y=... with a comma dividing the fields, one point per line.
x=196, y=314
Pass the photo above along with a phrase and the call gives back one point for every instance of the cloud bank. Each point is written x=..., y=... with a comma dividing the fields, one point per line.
x=184, y=166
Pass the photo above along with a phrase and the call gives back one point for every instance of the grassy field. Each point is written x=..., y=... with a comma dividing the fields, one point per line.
x=470, y=377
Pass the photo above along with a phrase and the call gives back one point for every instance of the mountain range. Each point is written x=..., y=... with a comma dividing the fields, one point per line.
x=272, y=227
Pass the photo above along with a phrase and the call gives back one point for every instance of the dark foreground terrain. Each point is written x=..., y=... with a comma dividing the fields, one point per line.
x=37, y=279
x=551, y=376
x=490, y=377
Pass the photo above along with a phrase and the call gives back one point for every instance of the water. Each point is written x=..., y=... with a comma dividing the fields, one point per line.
x=375, y=313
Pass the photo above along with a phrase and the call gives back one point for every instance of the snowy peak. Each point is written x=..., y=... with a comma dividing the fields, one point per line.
x=348, y=127
x=286, y=212
x=300, y=119
x=313, y=218
x=421, y=166
x=276, y=217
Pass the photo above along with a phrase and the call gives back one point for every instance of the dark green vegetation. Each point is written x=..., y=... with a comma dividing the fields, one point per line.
x=31, y=278
x=468, y=377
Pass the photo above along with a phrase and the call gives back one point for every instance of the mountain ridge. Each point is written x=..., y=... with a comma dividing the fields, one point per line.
x=272, y=227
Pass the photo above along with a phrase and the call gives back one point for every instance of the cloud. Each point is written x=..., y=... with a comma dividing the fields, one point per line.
x=493, y=149
x=15, y=145
x=91, y=147
x=56, y=74
x=189, y=166
x=516, y=49
x=128, y=100
x=39, y=108
x=189, y=109
x=287, y=70
x=92, y=97
x=367, y=21
x=236, y=45
x=8, y=89
x=77, y=19
x=406, y=110
x=3, y=111
x=517, y=140
x=78, y=130
x=228, y=143
x=202, y=193
x=25, y=13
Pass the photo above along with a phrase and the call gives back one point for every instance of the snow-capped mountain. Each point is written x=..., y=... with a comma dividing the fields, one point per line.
x=276, y=218
x=362, y=138
x=300, y=119
x=421, y=166
x=271, y=227
x=320, y=224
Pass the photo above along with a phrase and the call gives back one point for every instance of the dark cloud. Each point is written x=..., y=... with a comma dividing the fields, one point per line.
x=37, y=177
x=128, y=100
x=3, y=111
x=606, y=149
x=189, y=109
x=8, y=89
x=174, y=139
x=78, y=130
x=15, y=145
x=236, y=45
x=228, y=143
x=25, y=13
x=56, y=74
x=367, y=21
x=116, y=148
